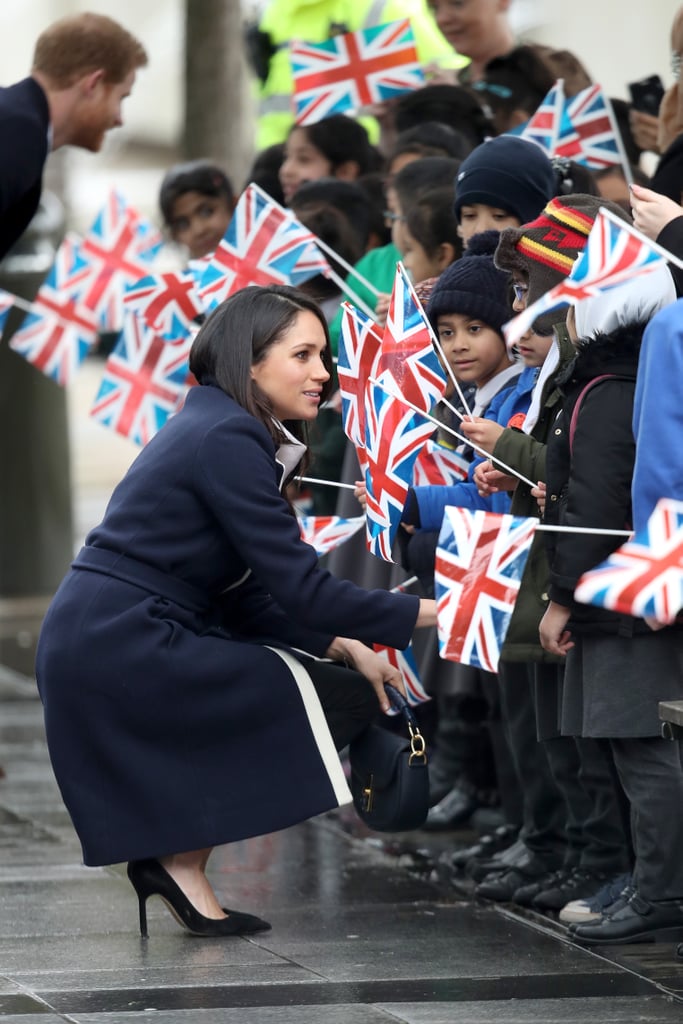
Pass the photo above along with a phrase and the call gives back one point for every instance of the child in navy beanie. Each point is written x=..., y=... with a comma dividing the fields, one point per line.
x=503, y=183
x=474, y=286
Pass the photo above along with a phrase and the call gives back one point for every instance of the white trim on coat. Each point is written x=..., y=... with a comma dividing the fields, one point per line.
x=319, y=726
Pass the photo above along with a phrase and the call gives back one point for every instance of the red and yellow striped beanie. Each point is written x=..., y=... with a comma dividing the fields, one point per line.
x=543, y=251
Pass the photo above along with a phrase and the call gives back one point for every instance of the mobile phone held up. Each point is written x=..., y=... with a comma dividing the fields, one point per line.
x=646, y=94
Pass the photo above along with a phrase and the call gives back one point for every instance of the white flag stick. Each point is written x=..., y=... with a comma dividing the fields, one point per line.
x=659, y=249
x=403, y=586
x=318, y=241
x=437, y=345
x=583, y=529
x=449, y=430
x=347, y=266
x=355, y=299
x=327, y=483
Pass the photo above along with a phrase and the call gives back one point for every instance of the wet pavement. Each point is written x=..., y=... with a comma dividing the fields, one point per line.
x=365, y=930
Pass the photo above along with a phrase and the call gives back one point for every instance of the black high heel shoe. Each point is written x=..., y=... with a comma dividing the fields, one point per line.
x=149, y=878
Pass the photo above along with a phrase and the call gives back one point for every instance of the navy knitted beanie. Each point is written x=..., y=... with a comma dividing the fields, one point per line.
x=508, y=173
x=473, y=286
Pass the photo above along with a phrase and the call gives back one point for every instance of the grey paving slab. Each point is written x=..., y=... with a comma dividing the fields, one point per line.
x=616, y=1010
x=653, y=1010
x=109, y=956
x=438, y=941
x=345, y=1014
x=34, y=1018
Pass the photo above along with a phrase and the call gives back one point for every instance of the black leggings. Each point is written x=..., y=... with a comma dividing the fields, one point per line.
x=347, y=698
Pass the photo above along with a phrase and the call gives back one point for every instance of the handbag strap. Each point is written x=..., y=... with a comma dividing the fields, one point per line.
x=418, y=747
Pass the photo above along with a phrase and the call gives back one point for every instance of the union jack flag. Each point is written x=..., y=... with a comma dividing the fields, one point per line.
x=408, y=361
x=360, y=343
x=591, y=114
x=58, y=332
x=353, y=70
x=437, y=464
x=407, y=367
x=6, y=303
x=644, y=577
x=145, y=381
x=544, y=126
x=121, y=246
x=264, y=244
x=404, y=661
x=480, y=560
x=615, y=252
x=325, y=533
x=168, y=303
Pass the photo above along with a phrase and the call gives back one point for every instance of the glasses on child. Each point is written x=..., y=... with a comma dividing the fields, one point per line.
x=521, y=292
x=390, y=217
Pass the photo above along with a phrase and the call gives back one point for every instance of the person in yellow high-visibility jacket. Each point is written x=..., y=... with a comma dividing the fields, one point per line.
x=314, y=21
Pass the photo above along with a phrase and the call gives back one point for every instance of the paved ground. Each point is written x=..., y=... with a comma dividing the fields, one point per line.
x=357, y=937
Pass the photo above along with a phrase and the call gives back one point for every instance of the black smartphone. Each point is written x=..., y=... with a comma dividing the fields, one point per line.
x=646, y=94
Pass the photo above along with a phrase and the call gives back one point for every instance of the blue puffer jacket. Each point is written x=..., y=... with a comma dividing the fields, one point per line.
x=432, y=500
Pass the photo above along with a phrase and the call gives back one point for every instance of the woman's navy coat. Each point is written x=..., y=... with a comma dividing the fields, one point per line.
x=171, y=726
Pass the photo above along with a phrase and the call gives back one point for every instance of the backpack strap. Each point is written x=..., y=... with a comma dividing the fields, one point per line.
x=577, y=405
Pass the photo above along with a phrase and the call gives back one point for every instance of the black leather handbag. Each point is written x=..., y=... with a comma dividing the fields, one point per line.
x=389, y=776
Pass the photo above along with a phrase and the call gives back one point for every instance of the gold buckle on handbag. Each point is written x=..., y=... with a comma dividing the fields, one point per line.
x=418, y=747
x=367, y=795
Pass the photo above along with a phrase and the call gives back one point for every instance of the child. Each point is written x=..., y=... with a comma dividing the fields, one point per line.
x=503, y=183
x=617, y=670
x=197, y=203
x=468, y=306
x=429, y=240
x=538, y=255
x=336, y=147
x=467, y=309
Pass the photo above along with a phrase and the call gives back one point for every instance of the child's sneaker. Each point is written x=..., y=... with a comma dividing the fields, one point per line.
x=592, y=908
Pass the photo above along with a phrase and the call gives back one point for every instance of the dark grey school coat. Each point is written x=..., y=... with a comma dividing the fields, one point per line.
x=171, y=724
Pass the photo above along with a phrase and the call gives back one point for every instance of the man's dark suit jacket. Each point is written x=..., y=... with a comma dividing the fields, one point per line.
x=24, y=124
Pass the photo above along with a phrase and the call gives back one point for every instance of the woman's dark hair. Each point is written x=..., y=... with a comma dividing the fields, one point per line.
x=239, y=334
x=339, y=138
x=431, y=221
x=196, y=176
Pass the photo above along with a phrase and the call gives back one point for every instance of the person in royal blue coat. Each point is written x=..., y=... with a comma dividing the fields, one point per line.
x=83, y=68
x=181, y=712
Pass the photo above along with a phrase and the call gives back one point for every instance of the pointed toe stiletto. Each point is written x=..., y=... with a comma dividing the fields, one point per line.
x=149, y=878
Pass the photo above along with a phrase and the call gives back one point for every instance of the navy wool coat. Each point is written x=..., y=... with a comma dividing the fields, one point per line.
x=177, y=716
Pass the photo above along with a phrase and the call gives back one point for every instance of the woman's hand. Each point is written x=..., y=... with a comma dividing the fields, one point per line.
x=555, y=639
x=373, y=666
x=645, y=130
x=652, y=211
